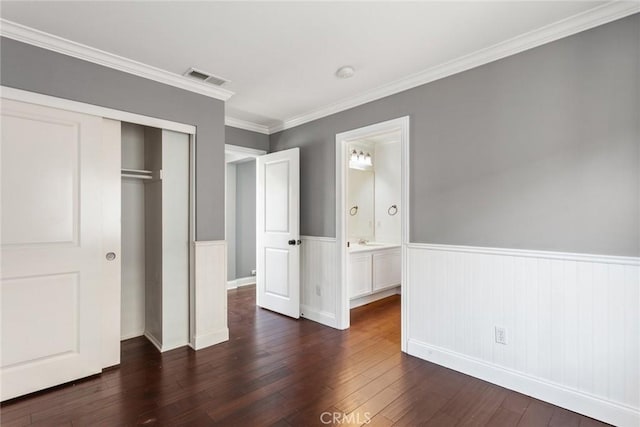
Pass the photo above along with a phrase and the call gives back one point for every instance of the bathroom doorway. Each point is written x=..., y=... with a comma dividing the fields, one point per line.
x=372, y=215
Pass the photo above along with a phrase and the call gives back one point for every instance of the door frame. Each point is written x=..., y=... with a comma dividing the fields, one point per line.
x=401, y=124
x=111, y=293
x=239, y=153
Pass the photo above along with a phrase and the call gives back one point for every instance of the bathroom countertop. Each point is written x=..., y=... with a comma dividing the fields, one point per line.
x=371, y=246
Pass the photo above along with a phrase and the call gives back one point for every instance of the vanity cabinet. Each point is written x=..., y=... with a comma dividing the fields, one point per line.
x=359, y=274
x=373, y=271
x=386, y=269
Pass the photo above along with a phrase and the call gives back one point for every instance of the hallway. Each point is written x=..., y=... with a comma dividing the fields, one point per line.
x=276, y=371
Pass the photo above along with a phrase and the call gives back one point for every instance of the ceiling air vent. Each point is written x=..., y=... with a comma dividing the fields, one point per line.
x=205, y=77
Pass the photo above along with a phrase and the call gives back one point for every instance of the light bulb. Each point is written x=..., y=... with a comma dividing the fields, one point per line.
x=367, y=159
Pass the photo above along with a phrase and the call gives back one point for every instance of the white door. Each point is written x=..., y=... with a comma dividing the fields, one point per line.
x=53, y=175
x=278, y=232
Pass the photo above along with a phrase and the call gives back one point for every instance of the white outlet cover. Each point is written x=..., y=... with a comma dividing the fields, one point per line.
x=501, y=335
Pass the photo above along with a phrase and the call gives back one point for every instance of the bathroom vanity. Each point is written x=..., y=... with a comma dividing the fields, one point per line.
x=374, y=272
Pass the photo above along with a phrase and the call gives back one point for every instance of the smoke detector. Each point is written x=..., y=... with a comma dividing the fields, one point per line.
x=204, y=76
x=345, y=72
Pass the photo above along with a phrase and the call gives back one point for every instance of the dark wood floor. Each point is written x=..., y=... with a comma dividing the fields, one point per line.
x=277, y=371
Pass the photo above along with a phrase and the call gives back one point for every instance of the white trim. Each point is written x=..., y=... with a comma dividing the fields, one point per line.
x=94, y=110
x=375, y=296
x=153, y=340
x=566, y=27
x=243, y=281
x=209, y=243
x=38, y=38
x=342, y=294
x=245, y=151
x=323, y=317
x=131, y=336
x=567, y=256
x=319, y=239
x=209, y=339
x=246, y=125
x=548, y=391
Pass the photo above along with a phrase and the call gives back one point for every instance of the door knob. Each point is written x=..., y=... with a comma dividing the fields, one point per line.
x=299, y=242
x=110, y=256
x=292, y=242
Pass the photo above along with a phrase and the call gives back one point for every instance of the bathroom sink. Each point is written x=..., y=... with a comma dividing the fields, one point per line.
x=372, y=244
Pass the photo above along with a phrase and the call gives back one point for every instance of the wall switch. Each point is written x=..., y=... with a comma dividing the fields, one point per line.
x=253, y=272
x=318, y=290
x=501, y=335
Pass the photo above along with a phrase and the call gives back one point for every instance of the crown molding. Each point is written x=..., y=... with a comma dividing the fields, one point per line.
x=67, y=47
x=566, y=27
x=246, y=125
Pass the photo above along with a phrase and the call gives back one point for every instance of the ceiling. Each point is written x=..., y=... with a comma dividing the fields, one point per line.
x=281, y=56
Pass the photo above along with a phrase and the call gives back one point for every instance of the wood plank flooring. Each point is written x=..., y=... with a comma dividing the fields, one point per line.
x=282, y=372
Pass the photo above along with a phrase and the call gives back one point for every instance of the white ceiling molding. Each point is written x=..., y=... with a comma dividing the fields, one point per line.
x=54, y=43
x=243, y=124
x=566, y=27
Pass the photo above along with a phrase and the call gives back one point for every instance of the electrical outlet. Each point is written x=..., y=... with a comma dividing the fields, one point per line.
x=253, y=272
x=501, y=335
x=318, y=290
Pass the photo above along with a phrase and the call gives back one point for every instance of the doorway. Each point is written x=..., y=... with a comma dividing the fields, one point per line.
x=240, y=215
x=379, y=233
x=265, y=218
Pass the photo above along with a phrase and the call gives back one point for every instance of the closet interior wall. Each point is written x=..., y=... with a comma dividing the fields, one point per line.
x=155, y=235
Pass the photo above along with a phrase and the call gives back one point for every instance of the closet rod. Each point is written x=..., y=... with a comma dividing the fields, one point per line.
x=137, y=171
x=129, y=175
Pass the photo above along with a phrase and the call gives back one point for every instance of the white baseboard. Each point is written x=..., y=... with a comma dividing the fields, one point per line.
x=368, y=299
x=162, y=348
x=209, y=339
x=323, y=317
x=131, y=335
x=243, y=281
x=153, y=340
x=574, y=400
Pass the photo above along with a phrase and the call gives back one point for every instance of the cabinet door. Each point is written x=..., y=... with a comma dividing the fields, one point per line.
x=359, y=274
x=386, y=269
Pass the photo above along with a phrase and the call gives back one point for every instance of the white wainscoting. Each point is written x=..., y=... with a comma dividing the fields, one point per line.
x=209, y=294
x=572, y=320
x=319, y=275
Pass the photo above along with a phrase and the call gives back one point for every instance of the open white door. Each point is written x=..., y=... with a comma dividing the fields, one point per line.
x=53, y=177
x=278, y=232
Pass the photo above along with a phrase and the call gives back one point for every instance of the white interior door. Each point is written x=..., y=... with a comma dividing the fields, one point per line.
x=278, y=232
x=53, y=177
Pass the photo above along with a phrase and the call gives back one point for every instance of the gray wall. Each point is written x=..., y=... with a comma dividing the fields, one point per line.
x=38, y=70
x=246, y=138
x=537, y=151
x=245, y=218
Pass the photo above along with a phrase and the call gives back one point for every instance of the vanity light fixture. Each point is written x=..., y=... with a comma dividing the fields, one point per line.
x=360, y=160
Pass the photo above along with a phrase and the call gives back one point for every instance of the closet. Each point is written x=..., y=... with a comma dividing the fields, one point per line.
x=155, y=235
